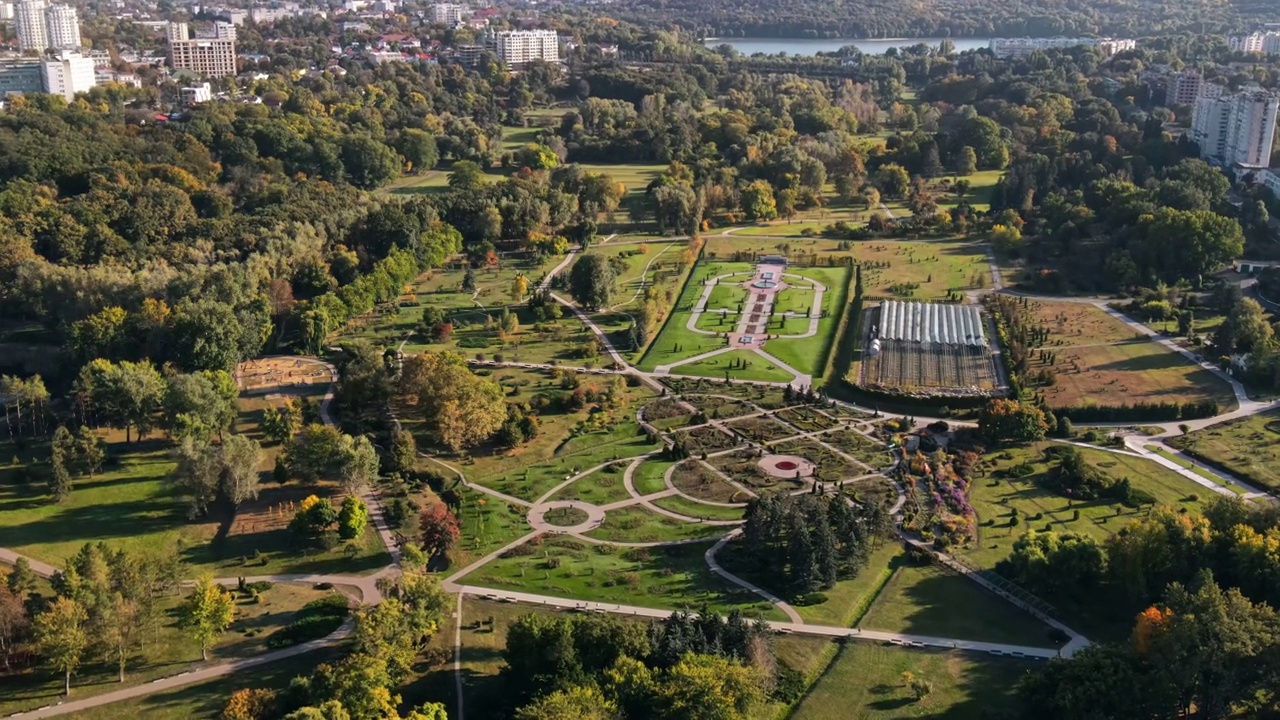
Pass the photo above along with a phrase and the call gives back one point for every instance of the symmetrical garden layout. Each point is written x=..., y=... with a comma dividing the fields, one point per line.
x=767, y=321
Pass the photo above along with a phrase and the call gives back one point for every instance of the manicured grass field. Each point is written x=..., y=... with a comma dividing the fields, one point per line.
x=731, y=364
x=1130, y=372
x=1202, y=472
x=669, y=577
x=809, y=354
x=866, y=681
x=638, y=524
x=599, y=488
x=845, y=603
x=685, y=506
x=934, y=267
x=806, y=355
x=167, y=651
x=996, y=498
x=927, y=600
x=1248, y=447
x=648, y=477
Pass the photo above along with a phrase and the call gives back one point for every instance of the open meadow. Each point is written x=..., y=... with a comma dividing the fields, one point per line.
x=1248, y=447
x=1096, y=359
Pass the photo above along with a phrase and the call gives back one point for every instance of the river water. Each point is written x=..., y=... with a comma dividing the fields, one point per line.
x=798, y=46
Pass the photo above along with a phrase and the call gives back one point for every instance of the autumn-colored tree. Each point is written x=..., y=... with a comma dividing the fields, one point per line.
x=1151, y=622
x=250, y=704
x=440, y=529
x=62, y=638
x=519, y=288
x=461, y=409
x=1012, y=421
x=207, y=613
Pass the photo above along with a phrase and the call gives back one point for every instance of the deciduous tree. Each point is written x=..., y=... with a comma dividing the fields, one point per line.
x=207, y=613
x=62, y=638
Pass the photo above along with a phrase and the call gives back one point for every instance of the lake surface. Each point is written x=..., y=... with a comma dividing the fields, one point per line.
x=799, y=46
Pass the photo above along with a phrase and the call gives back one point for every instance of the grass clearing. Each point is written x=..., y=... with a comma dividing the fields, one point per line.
x=673, y=577
x=638, y=524
x=1248, y=447
x=1198, y=470
x=1130, y=372
x=1078, y=323
x=702, y=511
x=739, y=364
x=1040, y=509
x=866, y=681
x=207, y=699
x=928, y=600
x=167, y=651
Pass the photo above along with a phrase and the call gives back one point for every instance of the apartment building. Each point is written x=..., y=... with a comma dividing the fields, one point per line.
x=62, y=27
x=447, y=13
x=213, y=56
x=41, y=26
x=1184, y=88
x=517, y=48
x=1236, y=129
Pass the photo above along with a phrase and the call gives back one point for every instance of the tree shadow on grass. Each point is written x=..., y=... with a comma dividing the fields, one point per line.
x=941, y=604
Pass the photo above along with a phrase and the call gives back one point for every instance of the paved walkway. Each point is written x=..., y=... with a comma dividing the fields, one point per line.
x=186, y=678
x=904, y=639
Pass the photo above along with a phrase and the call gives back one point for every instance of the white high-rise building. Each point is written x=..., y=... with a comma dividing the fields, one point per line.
x=1247, y=43
x=1210, y=123
x=29, y=21
x=1267, y=43
x=41, y=26
x=224, y=30
x=1237, y=129
x=517, y=48
x=63, y=27
x=1253, y=128
x=68, y=74
x=177, y=31
x=447, y=13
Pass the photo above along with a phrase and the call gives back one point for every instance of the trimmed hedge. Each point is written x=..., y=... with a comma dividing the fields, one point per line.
x=312, y=622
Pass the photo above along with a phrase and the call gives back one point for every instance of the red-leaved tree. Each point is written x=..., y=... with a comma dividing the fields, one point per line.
x=439, y=528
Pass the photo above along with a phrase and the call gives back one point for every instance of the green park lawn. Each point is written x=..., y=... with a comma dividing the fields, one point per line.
x=167, y=651
x=1198, y=470
x=866, y=681
x=841, y=605
x=207, y=699
x=739, y=364
x=809, y=355
x=673, y=577
x=676, y=341
x=694, y=509
x=1248, y=447
x=994, y=499
x=935, y=266
x=928, y=600
x=728, y=294
x=648, y=477
x=474, y=316
x=134, y=507
x=599, y=488
x=638, y=524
